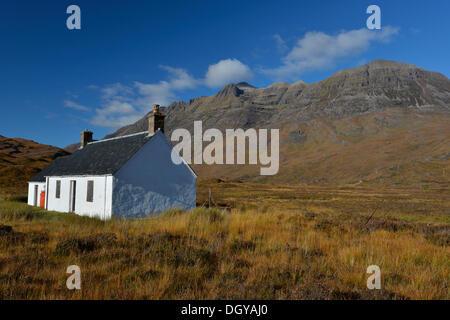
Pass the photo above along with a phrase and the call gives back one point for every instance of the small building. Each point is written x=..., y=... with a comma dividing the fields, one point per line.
x=131, y=176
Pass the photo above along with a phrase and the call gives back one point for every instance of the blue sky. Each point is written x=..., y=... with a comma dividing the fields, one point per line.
x=128, y=55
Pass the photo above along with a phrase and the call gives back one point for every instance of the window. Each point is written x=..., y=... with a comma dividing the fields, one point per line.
x=36, y=189
x=58, y=189
x=90, y=191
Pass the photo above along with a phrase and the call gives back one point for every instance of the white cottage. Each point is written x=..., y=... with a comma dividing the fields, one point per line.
x=130, y=177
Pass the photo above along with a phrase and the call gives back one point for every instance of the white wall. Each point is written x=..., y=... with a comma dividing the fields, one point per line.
x=31, y=196
x=151, y=183
x=108, y=198
x=101, y=205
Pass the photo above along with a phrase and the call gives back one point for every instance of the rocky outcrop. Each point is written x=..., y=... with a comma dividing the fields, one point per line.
x=229, y=91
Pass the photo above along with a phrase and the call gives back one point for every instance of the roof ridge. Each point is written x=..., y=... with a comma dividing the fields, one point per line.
x=121, y=137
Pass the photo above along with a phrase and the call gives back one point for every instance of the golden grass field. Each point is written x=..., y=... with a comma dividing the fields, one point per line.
x=276, y=242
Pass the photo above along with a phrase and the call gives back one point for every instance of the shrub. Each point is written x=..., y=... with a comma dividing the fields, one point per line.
x=73, y=245
x=78, y=246
x=9, y=236
x=208, y=214
x=189, y=256
x=18, y=198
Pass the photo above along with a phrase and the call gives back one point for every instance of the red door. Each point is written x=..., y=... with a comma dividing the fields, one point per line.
x=42, y=203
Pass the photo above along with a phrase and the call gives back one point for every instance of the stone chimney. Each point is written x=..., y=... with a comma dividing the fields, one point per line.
x=86, y=137
x=155, y=120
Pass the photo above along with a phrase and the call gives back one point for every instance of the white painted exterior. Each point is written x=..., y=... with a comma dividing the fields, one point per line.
x=32, y=201
x=149, y=183
x=100, y=207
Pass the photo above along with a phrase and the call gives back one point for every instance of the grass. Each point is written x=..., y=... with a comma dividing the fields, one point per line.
x=276, y=242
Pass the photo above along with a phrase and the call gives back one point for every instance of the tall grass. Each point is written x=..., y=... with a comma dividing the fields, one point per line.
x=254, y=253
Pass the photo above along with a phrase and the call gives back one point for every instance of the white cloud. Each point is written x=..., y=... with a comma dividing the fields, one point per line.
x=114, y=121
x=164, y=92
x=73, y=105
x=226, y=71
x=160, y=93
x=116, y=91
x=124, y=105
x=281, y=44
x=118, y=107
x=180, y=79
x=318, y=50
x=115, y=114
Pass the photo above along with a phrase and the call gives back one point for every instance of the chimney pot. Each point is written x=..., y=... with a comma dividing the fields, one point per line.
x=86, y=137
x=155, y=120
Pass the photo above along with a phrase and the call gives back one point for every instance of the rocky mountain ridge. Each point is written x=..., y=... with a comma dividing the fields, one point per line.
x=372, y=87
x=333, y=119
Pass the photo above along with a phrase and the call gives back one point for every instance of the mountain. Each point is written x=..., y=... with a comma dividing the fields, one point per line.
x=382, y=123
x=21, y=159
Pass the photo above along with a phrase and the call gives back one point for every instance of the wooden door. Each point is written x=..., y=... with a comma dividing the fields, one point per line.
x=42, y=202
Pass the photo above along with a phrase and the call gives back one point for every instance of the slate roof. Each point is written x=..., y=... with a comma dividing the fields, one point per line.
x=96, y=158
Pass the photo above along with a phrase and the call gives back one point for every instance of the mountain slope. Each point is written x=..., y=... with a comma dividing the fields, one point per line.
x=384, y=123
x=372, y=87
x=21, y=159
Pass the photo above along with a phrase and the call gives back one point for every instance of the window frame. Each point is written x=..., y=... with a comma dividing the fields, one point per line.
x=58, y=189
x=90, y=191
